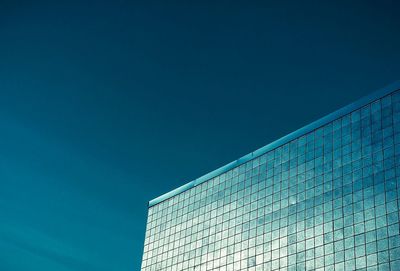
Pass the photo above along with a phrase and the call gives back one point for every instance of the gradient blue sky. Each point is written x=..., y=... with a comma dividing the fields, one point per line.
x=106, y=105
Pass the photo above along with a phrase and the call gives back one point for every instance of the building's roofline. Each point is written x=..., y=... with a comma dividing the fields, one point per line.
x=281, y=141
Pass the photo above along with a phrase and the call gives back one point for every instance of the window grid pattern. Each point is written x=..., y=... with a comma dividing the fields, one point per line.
x=328, y=200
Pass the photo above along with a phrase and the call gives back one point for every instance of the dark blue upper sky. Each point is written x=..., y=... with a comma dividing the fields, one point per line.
x=105, y=106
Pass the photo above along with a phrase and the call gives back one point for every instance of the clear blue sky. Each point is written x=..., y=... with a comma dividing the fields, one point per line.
x=104, y=106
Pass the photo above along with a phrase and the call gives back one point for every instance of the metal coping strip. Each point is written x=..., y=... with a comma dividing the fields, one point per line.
x=281, y=141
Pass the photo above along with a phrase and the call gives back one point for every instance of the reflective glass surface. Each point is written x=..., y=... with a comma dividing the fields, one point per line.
x=328, y=200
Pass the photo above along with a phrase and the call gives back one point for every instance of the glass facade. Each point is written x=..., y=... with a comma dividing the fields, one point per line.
x=325, y=200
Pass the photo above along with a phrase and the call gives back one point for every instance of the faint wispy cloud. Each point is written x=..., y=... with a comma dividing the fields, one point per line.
x=43, y=245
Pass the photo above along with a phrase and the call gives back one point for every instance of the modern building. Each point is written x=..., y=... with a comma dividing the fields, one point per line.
x=325, y=197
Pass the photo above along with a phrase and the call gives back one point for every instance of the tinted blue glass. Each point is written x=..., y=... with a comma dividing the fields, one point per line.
x=327, y=200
